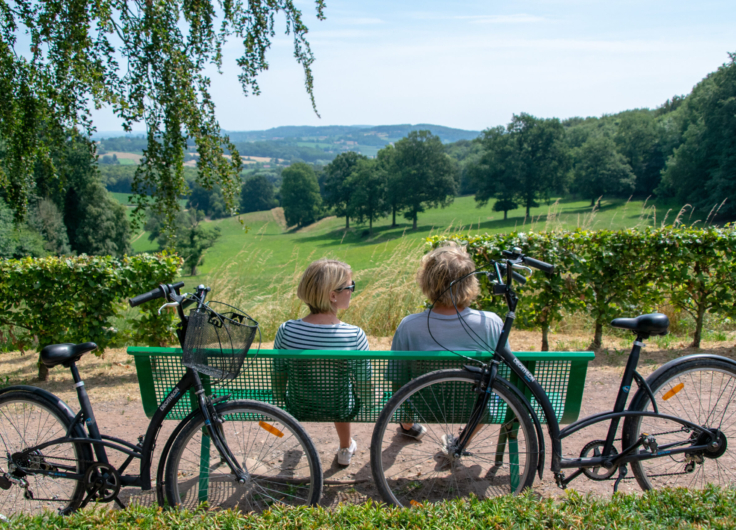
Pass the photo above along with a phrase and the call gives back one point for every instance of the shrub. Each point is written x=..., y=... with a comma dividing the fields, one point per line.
x=60, y=300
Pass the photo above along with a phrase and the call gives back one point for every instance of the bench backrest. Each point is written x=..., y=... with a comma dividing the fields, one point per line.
x=332, y=378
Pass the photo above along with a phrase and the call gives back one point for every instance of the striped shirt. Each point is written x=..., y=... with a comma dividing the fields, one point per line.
x=300, y=335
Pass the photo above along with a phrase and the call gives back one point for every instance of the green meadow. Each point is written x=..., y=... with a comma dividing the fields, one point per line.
x=257, y=251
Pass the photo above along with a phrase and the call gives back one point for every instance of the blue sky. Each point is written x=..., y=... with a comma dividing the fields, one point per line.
x=472, y=65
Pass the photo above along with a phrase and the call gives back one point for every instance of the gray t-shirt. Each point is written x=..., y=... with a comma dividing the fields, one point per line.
x=480, y=333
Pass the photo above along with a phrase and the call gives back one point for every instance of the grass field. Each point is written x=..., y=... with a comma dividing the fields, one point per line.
x=269, y=240
x=259, y=268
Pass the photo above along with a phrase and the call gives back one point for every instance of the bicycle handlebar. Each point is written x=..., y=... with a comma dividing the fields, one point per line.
x=158, y=292
x=518, y=277
x=541, y=265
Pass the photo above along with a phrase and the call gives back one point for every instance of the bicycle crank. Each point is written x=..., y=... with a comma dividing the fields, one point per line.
x=593, y=449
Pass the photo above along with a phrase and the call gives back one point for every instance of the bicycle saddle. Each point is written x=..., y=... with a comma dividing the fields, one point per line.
x=651, y=324
x=55, y=354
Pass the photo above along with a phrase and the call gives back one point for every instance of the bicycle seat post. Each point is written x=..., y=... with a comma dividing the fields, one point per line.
x=87, y=413
x=625, y=388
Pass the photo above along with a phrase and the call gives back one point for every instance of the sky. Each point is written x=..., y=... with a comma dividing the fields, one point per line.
x=474, y=64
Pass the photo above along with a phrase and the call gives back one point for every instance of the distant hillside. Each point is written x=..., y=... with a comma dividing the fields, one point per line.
x=310, y=144
x=392, y=132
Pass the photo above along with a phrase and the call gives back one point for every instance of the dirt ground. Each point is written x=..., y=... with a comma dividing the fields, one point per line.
x=113, y=386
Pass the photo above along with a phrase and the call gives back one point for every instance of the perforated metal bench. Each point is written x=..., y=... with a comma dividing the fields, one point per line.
x=324, y=373
x=561, y=374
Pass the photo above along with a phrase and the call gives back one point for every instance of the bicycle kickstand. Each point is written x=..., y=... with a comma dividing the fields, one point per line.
x=622, y=472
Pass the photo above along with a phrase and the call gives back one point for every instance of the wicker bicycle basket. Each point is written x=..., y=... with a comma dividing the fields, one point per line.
x=218, y=339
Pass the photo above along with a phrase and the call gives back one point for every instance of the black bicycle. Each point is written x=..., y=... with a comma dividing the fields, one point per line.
x=231, y=453
x=485, y=437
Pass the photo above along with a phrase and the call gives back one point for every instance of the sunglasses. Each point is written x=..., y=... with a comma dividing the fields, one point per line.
x=350, y=288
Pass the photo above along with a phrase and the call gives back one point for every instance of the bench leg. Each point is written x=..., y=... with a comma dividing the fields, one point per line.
x=509, y=433
x=513, y=436
x=204, y=468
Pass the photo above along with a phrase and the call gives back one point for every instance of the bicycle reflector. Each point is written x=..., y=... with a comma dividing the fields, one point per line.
x=674, y=390
x=270, y=428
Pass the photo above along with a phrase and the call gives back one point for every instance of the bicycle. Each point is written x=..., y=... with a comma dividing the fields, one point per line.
x=485, y=436
x=232, y=453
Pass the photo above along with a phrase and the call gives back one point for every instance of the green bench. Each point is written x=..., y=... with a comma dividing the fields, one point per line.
x=561, y=374
x=326, y=374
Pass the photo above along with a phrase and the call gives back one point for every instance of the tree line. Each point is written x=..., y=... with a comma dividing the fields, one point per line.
x=685, y=149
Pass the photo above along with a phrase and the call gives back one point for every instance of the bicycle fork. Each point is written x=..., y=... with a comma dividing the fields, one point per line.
x=213, y=422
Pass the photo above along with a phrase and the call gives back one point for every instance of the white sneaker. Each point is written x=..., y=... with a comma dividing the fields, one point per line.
x=345, y=454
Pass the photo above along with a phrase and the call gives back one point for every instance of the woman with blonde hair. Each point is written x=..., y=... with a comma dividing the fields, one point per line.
x=325, y=287
x=452, y=323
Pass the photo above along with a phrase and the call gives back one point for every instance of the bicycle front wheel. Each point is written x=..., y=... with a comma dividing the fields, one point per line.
x=702, y=391
x=500, y=458
x=271, y=446
x=27, y=421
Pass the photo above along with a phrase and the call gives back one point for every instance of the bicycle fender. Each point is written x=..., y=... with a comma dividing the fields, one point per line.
x=535, y=418
x=46, y=395
x=640, y=393
x=53, y=400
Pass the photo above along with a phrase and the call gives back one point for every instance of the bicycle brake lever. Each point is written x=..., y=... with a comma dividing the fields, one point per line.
x=170, y=304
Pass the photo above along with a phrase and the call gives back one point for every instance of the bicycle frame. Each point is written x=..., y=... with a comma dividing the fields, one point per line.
x=608, y=458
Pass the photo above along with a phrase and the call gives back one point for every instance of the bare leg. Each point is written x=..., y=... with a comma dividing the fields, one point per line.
x=343, y=432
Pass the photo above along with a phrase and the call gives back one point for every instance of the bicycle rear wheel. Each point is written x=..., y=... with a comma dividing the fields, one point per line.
x=702, y=391
x=26, y=421
x=500, y=458
x=269, y=444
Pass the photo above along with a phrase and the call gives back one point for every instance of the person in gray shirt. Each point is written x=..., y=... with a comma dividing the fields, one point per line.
x=478, y=330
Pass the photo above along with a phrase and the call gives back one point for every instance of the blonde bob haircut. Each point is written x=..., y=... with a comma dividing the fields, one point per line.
x=440, y=268
x=322, y=277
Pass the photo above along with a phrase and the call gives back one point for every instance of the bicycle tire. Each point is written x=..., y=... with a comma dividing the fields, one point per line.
x=409, y=472
x=273, y=447
x=28, y=420
x=707, y=398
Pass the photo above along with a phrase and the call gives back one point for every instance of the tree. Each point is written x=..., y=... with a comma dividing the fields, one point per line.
x=193, y=238
x=638, y=139
x=103, y=228
x=49, y=222
x=427, y=174
x=300, y=196
x=386, y=158
x=542, y=156
x=209, y=201
x=95, y=222
x=257, y=195
x=601, y=170
x=702, y=170
x=337, y=191
x=149, y=62
x=368, y=197
x=495, y=174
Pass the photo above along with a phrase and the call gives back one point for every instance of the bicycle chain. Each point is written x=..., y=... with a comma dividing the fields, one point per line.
x=660, y=474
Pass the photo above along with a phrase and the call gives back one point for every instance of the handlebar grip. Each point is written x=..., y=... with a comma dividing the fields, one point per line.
x=158, y=292
x=542, y=266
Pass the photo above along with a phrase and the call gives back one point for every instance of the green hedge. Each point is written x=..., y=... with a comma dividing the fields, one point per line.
x=681, y=508
x=56, y=300
x=611, y=274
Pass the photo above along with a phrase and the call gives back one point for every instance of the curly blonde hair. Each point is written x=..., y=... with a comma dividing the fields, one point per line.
x=440, y=268
x=319, y=280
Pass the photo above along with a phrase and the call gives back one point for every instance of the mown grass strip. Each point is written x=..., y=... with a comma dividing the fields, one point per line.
x=680, y=508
